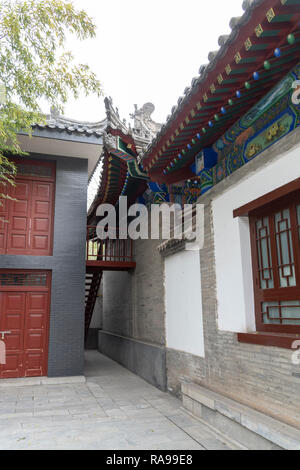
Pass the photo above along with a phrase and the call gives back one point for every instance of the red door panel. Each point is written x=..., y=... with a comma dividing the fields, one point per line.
x=34, y=363
x=2, y=240
x=25, y=316
x=13, y=368
x=40, y=238
x=4, y=211
x=19, y=219
x=35, y=333
x=12, y=319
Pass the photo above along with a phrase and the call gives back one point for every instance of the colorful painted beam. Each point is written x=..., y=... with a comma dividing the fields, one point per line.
x=238, y=80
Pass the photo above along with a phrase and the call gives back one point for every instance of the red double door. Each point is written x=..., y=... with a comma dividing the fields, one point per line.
x=24, y=313
x=26, y=218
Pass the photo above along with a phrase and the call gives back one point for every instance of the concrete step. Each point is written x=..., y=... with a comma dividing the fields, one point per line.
x=206, y=435
x=38, y=381
x=244, y=425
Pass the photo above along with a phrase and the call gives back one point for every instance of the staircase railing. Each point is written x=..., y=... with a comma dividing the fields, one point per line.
x=107, y=250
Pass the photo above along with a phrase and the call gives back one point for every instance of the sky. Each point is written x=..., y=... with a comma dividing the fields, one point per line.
x=147, y=51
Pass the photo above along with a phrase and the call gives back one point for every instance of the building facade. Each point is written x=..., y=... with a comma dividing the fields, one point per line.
x=222, y=321
x=217, y=324
x=42, y=251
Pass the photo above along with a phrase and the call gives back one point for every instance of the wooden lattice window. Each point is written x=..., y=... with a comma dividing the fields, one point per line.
x=41, y=171
x=32, y=279
x=275, y=240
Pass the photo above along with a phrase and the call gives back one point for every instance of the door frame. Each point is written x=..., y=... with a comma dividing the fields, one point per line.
x=47, y=289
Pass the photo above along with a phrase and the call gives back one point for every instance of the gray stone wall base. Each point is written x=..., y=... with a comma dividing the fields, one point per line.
x=146, y=360
x=92, y=339
x=254, y=430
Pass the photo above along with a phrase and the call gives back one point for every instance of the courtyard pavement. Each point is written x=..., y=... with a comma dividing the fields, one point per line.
x=113, y=410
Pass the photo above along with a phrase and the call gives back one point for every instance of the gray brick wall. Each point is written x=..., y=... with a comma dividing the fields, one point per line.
x=134, y=315
x=117, y=303
x=68, y=268
x=149, y=305
x=133, y=302
x=259, y=376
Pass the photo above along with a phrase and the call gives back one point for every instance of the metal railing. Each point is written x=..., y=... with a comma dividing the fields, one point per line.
x=107, y=250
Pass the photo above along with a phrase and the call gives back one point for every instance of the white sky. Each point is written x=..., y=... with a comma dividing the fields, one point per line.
x=148, y=50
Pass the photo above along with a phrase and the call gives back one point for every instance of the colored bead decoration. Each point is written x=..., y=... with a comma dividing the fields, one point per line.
x=291, y=39
x=277, y=52
x=267, y=65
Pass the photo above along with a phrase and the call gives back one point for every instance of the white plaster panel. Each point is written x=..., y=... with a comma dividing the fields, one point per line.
x=184, y=324
x=232, y=241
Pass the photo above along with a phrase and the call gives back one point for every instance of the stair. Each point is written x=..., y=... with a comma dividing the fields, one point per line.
x=240, y=423
x=92, y=285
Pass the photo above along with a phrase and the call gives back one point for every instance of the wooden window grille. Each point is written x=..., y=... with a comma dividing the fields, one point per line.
x=14, y=279
x=275, y=242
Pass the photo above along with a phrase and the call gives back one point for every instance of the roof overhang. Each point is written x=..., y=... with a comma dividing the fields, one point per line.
x=60, y=145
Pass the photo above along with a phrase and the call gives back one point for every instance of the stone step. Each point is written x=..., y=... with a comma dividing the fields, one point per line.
x=206, y=435
x=39, y=381
x=247, y=426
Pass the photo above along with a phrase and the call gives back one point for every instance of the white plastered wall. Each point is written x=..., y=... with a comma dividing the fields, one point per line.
x=184, y=324
x=232, y=241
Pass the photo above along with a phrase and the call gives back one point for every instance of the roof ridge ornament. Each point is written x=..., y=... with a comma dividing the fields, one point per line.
x=110, y=141
x=143, y=122
x=247, y=4
x=235, y=21
x=54, y=112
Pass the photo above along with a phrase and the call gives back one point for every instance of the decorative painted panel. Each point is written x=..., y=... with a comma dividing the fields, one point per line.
x=270, y=120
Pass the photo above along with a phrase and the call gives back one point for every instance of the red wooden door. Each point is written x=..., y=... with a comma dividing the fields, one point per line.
x=26, y=222
x=24, y=314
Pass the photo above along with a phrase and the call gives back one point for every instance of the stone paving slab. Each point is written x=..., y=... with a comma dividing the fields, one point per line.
x=112, y=409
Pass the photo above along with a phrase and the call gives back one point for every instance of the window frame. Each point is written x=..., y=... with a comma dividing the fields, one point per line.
x=277, y=294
